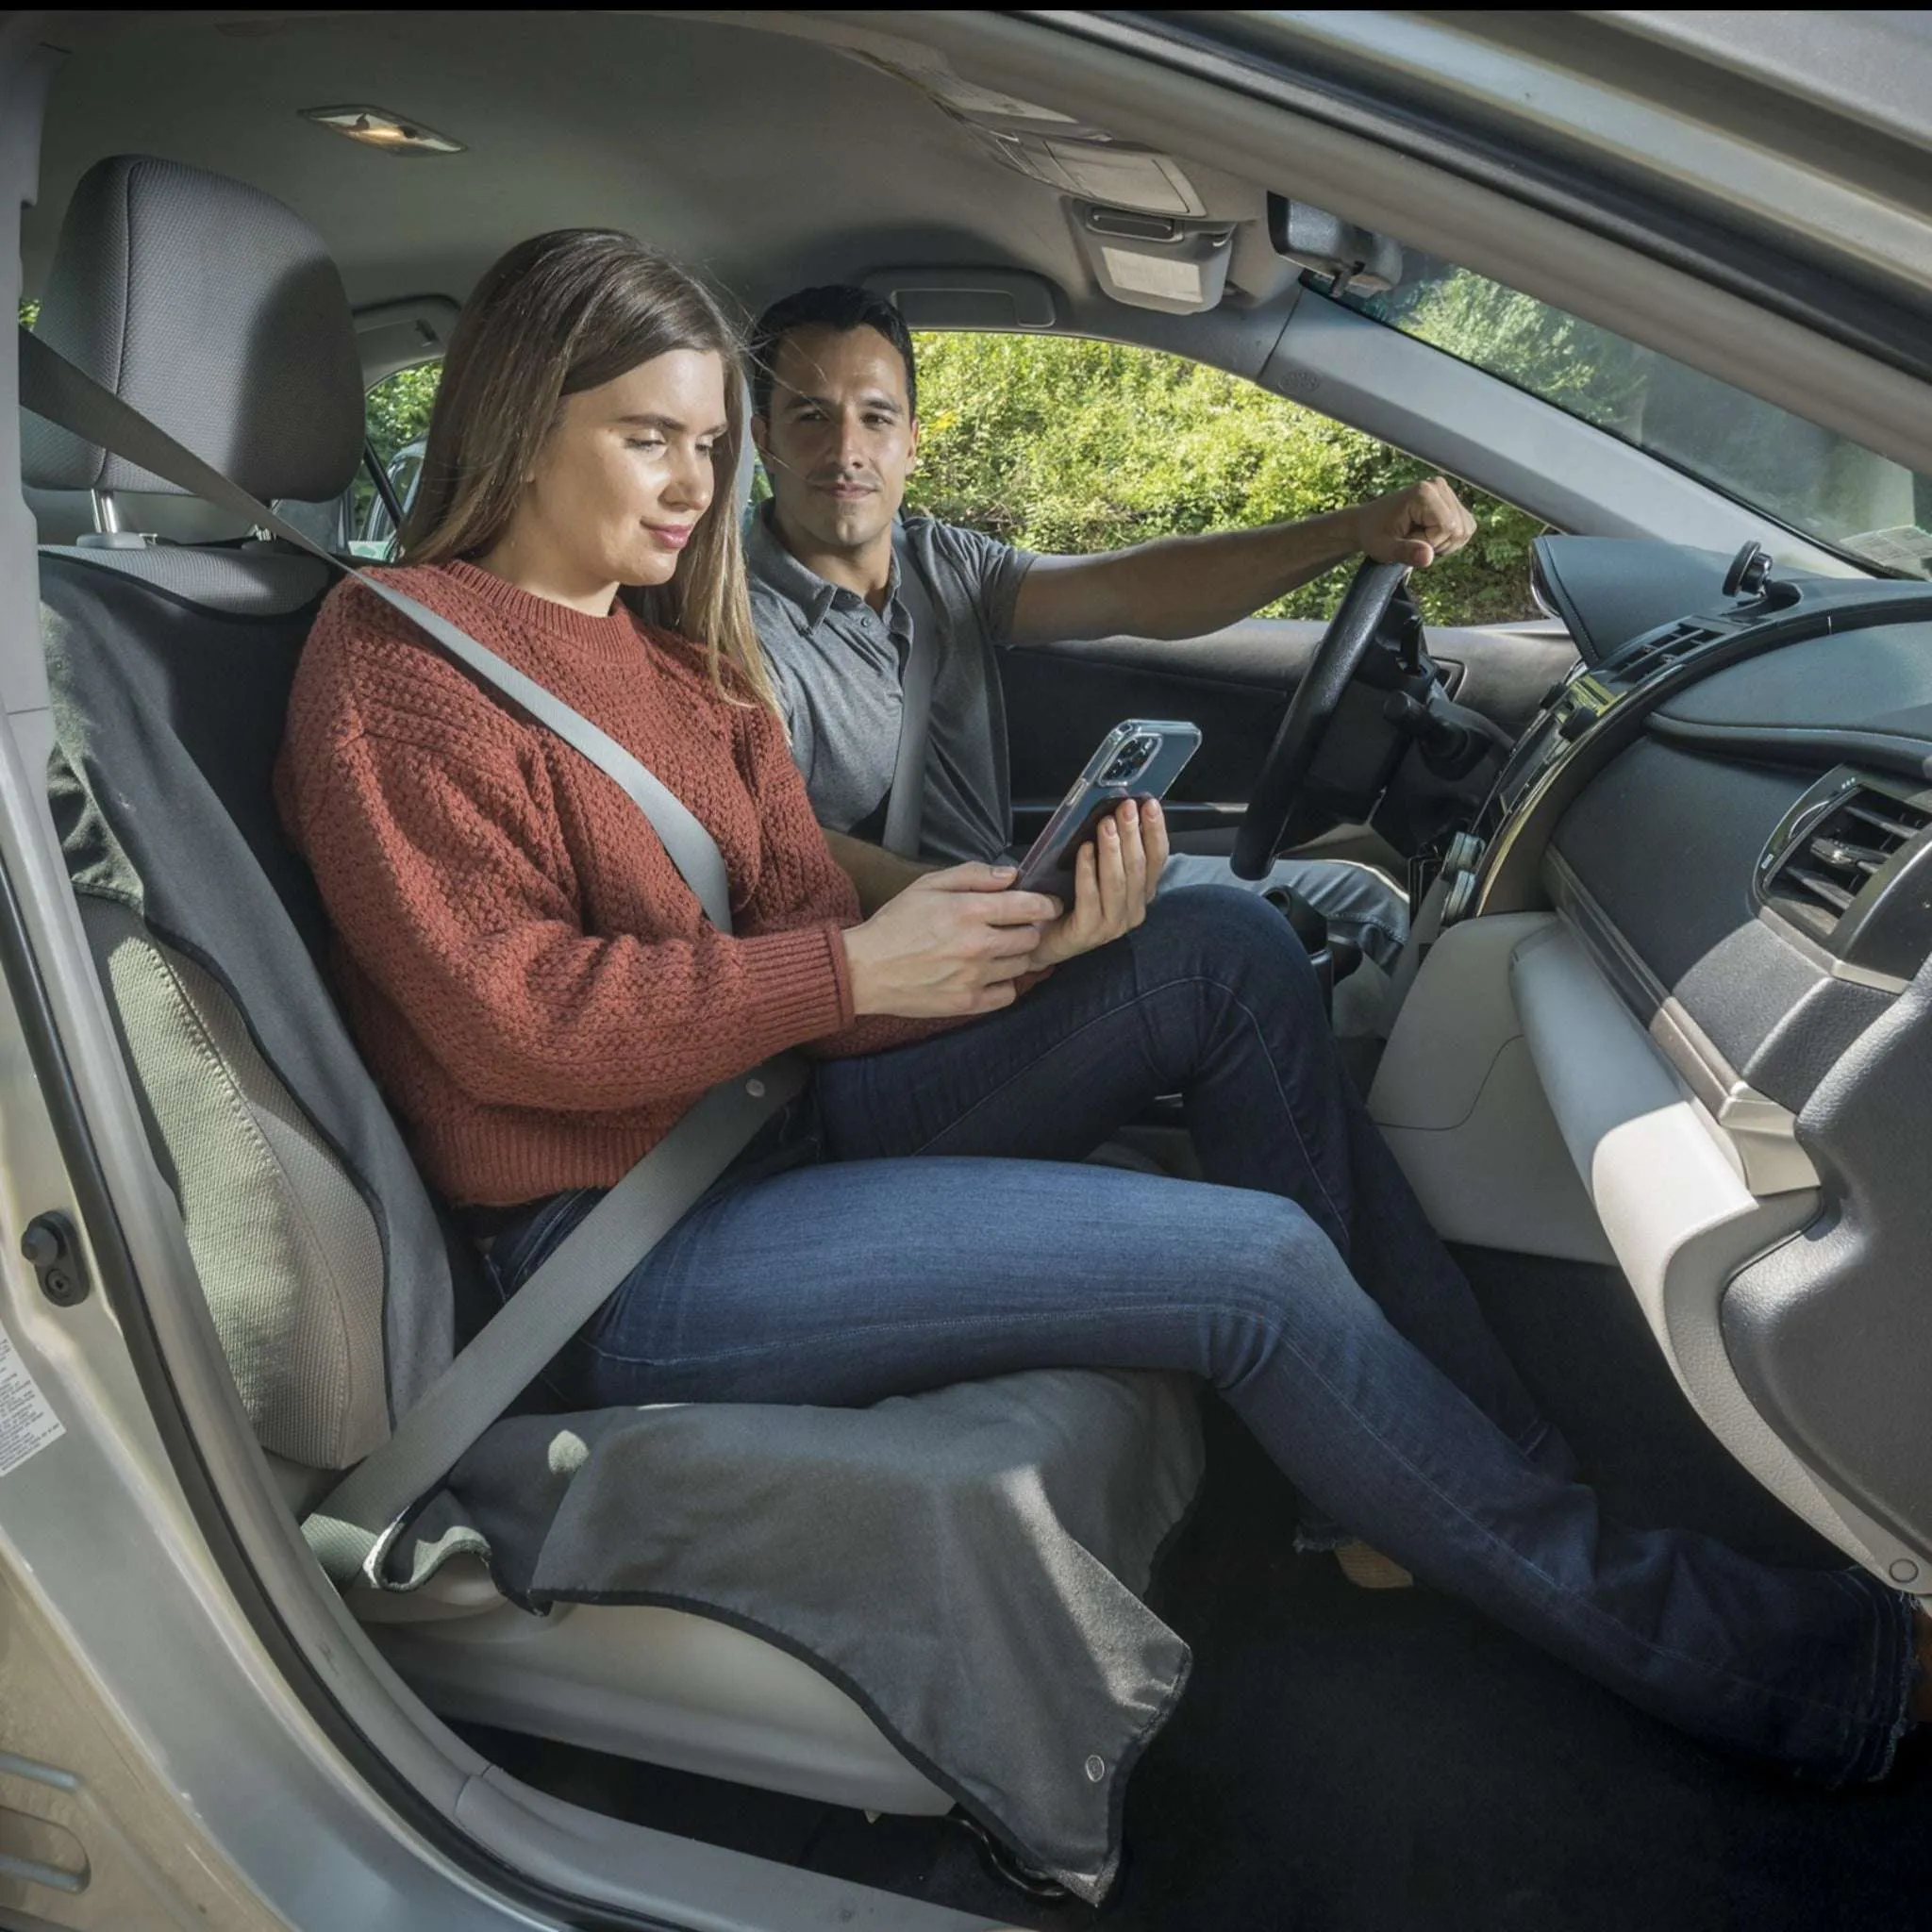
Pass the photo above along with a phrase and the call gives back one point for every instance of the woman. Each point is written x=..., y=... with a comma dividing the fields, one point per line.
x=543, y=997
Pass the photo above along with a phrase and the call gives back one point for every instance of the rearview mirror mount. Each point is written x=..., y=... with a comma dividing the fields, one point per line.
x=1351, y=258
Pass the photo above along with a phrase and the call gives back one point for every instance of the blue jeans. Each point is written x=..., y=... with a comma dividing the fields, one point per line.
x=1301, y=1280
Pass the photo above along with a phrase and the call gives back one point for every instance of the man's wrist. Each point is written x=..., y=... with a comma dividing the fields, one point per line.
x=1352, y=534
x=1320, y=542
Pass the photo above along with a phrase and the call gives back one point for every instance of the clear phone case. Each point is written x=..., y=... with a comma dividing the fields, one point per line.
x=1137, y=758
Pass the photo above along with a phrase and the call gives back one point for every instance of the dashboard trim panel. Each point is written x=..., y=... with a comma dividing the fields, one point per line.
x=1759, y=1133
x=1682, y=1222
x=1799, y=745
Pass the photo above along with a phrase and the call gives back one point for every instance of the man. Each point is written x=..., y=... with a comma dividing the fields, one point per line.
x=840, y=582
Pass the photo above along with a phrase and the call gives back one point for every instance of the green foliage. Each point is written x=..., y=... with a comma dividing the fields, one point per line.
x=397, y=414
x=29, y=314
x=1065, y=444
x=1071, y=446
x=1809, y=477
x=1585, y=370
x=399, y=408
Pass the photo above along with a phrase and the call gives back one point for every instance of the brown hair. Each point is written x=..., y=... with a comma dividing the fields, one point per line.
x=557, y=314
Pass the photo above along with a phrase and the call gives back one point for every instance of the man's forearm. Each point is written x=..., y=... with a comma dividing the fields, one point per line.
x=876, y=875
x=1179, y=587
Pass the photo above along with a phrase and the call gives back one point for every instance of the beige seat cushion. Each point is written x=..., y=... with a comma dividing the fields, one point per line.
x=287, y=1251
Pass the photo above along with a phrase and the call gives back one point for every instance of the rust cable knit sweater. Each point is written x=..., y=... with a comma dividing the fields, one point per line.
x=528, y=975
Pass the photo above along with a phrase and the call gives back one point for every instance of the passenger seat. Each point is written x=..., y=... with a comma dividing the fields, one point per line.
x=328, y=1270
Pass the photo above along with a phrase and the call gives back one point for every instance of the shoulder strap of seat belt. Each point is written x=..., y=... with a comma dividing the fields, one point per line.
x=906, y=805
x=351, y=1530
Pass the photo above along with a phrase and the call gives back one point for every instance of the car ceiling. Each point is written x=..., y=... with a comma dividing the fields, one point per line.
x=751, y=151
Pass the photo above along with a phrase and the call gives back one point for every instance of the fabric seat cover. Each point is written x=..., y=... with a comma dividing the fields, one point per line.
x=330, y=1273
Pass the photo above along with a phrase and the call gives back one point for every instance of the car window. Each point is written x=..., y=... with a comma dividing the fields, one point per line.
x=1060, y=443
x=1064, y=443
x=397, y=418
x=1811, y=479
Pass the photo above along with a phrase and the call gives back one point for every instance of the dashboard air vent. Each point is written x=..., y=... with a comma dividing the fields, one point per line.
x=1850, y=847
x=1845, y=867
x=1643, y=656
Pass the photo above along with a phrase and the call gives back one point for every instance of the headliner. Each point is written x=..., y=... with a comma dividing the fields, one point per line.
x=746, y=150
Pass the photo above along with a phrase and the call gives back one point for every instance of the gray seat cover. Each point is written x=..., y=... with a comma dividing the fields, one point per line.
x=965, y=1562
x=168, y=716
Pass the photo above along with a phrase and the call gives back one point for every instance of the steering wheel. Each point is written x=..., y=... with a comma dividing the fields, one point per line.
x=1280, y=791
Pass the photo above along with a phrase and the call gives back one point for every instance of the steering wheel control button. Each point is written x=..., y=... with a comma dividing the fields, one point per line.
x=49, y=1243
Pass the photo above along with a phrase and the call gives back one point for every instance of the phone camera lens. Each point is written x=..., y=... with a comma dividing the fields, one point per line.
x=1131, y=760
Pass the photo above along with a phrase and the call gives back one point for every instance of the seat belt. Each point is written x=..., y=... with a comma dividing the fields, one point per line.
x=906, y=803
x=351, y=1530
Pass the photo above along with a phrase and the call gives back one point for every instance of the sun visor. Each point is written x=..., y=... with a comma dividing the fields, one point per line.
x=977, y=298
x=1155, y=262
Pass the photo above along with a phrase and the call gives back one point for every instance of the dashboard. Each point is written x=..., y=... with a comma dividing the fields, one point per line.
x=1729, y=814
x=1735, y=810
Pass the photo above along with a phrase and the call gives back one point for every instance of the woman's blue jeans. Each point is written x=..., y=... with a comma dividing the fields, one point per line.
x=1303, y=1282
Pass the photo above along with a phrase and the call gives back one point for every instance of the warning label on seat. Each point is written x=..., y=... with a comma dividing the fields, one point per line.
x=27, y=1423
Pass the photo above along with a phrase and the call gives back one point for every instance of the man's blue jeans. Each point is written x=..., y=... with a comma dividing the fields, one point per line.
x=1356, y=900
x=1303, y=1283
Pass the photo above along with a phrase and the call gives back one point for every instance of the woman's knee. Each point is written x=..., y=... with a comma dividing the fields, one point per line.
x=1233, y=942
x=1276, y=1282
x=1238, y=931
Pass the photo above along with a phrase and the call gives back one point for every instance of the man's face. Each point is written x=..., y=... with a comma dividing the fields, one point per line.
x=841, y=436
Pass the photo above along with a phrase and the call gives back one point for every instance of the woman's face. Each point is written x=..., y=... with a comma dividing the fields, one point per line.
x=618, y=487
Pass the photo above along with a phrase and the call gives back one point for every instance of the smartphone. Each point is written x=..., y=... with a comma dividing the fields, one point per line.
x=1139, y=758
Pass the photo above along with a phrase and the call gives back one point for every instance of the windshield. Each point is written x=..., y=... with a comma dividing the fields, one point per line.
x=1818, y=483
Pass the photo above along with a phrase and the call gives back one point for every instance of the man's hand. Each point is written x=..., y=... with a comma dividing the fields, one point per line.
x=950, y=944
x=1115, y=874
x=1414, y=525
x=877, y=876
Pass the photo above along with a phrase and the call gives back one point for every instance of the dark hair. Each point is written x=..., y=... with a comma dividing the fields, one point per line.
x=840, y=305
x=559, y=314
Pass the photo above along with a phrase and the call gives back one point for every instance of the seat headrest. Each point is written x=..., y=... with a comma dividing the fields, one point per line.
x=212, y=310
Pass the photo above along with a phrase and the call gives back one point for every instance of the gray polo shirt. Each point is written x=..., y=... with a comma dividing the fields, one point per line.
x=837, y=666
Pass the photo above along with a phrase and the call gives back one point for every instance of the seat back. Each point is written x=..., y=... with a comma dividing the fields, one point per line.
x=324, y=1264
x=326, y=1267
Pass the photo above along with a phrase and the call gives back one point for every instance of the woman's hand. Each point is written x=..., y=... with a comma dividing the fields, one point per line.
x=1115, y=874
x=952, y=943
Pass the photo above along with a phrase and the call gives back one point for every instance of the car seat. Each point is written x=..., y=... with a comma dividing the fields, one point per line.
x=215, y=310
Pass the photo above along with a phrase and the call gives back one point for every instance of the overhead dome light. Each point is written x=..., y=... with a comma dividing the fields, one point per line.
x=388, y=132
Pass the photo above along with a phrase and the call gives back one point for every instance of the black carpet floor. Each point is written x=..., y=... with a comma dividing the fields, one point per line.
x=1354, y=1761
